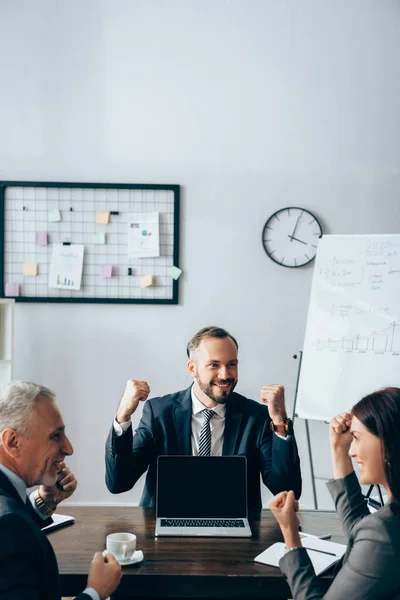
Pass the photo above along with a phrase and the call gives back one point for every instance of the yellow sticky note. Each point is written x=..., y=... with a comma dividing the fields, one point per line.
x=30, y=269
x=102, y=217
x=146, y=281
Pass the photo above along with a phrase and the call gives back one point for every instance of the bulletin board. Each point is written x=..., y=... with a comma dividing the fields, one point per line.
x=38, y=217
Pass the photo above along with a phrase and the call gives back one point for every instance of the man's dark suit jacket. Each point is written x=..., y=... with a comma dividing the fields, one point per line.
x=166, y=428
x=28, y=566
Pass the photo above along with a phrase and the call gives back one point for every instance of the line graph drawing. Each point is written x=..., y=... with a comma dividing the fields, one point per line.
x=385, y=340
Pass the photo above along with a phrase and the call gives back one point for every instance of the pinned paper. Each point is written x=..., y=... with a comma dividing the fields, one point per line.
x=143, y=235
x=30, y=269
x=106, y=271
x=175, y=272
x=12, y=289
x=146, y=281
x=41, y=238
x=102, y=217
x=54, y=215
x=66, y=266
x=99, y=237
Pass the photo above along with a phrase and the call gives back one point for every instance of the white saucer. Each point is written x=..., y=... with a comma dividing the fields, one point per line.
x=136, y=557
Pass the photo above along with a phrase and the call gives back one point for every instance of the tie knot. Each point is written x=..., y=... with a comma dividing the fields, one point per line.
x=208, y=414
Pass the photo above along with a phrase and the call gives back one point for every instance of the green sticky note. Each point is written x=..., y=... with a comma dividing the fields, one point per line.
x=99, y=237
x=175, y=272
x=54, y=215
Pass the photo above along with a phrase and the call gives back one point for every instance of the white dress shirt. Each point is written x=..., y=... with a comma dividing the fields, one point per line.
x=217, y=426
x=20, y=486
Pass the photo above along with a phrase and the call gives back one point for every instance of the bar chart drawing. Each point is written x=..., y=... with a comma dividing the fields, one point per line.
x=385, y=340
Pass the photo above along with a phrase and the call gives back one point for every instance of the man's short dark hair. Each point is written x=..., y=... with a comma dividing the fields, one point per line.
x=213, y=332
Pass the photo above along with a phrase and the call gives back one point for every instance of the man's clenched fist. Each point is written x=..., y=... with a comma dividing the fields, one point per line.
x=274, y=396
x=135, y=392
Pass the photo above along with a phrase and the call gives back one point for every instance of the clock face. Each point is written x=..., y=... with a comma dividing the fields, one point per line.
x=290, y=237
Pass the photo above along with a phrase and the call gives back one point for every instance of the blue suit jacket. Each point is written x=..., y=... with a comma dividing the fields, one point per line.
x=165, y=429
x=28, y=566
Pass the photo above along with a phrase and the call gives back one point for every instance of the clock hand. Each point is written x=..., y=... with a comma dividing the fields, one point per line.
x=297, y=240
x=295, y=227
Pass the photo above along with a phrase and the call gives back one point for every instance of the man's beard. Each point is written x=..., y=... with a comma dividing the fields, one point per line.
x=208, y=390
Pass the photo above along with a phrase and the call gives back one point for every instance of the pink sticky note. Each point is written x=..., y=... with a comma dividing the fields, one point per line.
x=41, y=238
x=12, y=289
x=106, y=271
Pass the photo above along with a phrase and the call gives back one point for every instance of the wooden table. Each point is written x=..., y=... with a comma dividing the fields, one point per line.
x=179, y=567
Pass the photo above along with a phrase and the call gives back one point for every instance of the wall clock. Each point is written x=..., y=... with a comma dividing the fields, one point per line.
x=290, y=237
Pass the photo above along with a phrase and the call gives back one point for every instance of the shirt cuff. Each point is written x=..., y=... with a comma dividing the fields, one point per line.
x=120, y=428
x=35, y=508
x=92, y=593
x=283, y=437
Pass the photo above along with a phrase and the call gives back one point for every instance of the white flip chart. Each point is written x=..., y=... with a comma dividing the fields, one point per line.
x=352, y=340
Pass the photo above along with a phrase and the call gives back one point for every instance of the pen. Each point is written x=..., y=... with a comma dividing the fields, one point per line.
x=320, y=551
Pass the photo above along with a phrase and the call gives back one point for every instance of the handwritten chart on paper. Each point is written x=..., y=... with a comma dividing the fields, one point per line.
x=352, y=341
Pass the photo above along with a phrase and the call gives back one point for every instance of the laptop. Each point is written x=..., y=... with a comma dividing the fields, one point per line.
x=202, y=496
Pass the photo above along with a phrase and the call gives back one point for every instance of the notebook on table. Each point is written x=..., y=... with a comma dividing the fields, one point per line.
x=202, y=496
x=322, y=554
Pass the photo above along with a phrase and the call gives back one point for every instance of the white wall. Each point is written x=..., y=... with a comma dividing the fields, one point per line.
x=250, y=105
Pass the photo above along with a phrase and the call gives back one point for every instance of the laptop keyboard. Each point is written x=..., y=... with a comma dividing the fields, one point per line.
x=202, y=523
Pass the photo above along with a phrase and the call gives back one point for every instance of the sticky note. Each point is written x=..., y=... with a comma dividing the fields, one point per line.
x=106, y=271
x=30, y=269
x=146, y=281
x=175, y=272
x=102, y=217
x=54, y=215
x=12, y=289
x=41, y=238
x=99, y=237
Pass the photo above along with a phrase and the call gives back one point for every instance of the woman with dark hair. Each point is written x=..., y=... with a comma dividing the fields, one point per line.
x=370, y=569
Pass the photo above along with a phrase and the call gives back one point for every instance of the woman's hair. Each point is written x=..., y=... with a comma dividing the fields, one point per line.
x=380, y=414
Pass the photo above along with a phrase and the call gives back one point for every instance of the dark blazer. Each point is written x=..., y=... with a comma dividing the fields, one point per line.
x=166, y=428
x=370, y=568
x=28, y=566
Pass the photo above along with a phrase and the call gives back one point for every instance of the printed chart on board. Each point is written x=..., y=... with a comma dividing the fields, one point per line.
x=352, y=341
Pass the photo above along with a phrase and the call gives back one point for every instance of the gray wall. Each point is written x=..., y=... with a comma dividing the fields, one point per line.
x=250, y=105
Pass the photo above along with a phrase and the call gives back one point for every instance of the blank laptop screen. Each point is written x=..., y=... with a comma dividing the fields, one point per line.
x=202, y=487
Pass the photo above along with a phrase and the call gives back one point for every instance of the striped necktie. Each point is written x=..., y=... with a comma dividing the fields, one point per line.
x=205, y=433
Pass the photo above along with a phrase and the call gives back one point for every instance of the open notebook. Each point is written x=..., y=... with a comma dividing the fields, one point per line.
x=323, y=554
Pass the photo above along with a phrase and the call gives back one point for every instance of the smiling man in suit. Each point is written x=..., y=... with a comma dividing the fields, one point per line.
x=33, y=445
x=207, y=419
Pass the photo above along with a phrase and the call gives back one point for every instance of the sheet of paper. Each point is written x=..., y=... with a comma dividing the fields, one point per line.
x=102, y=217
x=322, y=554
x=59, y=521
x=41, y=238
x=66, y=267
x=30, y=269
x=54, y=215
x=143, y=235
x=175, y=272
x=12, y=289
x=99, y=237
x=106, y=271
x=146, y=281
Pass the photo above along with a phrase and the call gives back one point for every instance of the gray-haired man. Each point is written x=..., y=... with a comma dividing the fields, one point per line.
x=33, y=445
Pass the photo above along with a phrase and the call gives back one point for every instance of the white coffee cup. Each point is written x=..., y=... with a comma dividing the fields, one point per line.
x=121, y=545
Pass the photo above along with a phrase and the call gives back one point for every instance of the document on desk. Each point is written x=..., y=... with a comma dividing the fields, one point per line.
x=58, y=521
x=322, y=554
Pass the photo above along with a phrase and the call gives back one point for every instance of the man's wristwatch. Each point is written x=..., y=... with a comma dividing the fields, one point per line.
x=41, y=505
x=285, y=428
